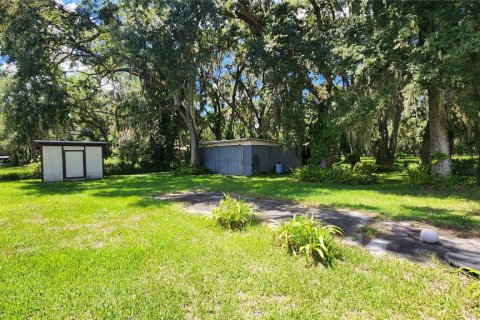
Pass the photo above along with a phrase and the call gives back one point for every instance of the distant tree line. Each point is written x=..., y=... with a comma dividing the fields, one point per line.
x=329, y=77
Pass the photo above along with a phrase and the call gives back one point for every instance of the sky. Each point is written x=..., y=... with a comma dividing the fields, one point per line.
x=69, y=5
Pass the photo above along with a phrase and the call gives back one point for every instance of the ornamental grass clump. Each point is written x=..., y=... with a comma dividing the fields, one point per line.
x=312, y=238
x=233, y=214
x=335, y=175
x=473, y=291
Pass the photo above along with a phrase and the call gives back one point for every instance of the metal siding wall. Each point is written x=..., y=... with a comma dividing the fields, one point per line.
x=207, y=156
x=223, y=159
x=269, y=155
x=238, y=160
x=230, y=158
x=247, y=161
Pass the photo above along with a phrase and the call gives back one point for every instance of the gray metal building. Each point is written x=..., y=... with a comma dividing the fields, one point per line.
x=244, y=157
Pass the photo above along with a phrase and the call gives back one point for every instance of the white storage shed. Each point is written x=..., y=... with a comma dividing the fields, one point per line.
x=71, y=160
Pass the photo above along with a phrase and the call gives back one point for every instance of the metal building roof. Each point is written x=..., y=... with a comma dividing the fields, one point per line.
x=68, y=143
x=239, y=142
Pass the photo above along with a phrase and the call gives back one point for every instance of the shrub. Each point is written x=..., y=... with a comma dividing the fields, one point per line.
x=187, y=170
x=464, y=167
x=420, y=176
x=372, y=168
x=365, y=168
x=335, y=174
x=113, y=167
x=352, y=159
x=118, y=168
x=312, y=238
x=233, y=214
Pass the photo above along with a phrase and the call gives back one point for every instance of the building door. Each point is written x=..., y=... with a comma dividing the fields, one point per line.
x=229, y=160
x=74, y=164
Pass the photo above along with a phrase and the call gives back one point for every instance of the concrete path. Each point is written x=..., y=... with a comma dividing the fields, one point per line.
x=401, y=238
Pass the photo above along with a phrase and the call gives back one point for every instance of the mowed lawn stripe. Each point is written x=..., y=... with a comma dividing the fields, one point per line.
x=106, y=249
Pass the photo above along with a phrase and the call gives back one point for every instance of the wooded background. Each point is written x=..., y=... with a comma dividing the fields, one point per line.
x=330, y=77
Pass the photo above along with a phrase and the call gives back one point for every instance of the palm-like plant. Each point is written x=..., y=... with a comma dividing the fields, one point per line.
x=233, y=214
x=303, y=235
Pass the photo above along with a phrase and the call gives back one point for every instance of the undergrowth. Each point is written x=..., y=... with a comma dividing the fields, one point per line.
x=311, y=238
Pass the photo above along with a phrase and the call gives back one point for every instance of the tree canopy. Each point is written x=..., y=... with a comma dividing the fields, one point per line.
x=154, y=78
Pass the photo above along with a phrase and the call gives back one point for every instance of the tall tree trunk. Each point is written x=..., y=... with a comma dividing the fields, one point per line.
x=187, y=113
x=439, y=135
x=395, y=127
x=425, y=149
x=217, y=119
x=194, y=145
x=327, y=159
x=382, y=143
x=33, y=150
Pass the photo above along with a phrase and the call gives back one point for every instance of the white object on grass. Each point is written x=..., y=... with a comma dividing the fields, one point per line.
x=429, y=236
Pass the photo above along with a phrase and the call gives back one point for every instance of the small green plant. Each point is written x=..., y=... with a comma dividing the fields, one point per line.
x=335, y=174
x=437, y=156
x=473, y=291
x=365, y=168
x=233, y=214
x=368, y=168
x=369, y=232
x=310, y=237
x=418, y=175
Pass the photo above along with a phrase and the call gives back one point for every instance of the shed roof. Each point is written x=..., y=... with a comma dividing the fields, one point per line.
x=68, y=143
x=239, y=142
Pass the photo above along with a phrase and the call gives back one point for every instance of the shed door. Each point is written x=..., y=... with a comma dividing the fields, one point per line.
x=74, y=164
x=229, y=160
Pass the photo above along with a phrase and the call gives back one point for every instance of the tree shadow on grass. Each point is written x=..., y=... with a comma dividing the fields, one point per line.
x=442, y=218
x=274, y=186
x=277, y=187
x=117, y=186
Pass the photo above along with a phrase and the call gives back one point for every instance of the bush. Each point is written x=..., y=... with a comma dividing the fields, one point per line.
x=365, y=168
x=420, y=176
x=307, y=236
x=126, y=168
x=464, y=167
x=372, y=168
x=233, y=214
x=118, y=168
x=335, y=174
x=352, y=159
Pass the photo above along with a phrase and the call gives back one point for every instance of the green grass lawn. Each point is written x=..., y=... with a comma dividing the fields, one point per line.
x=105, y=249
x=29, y=171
